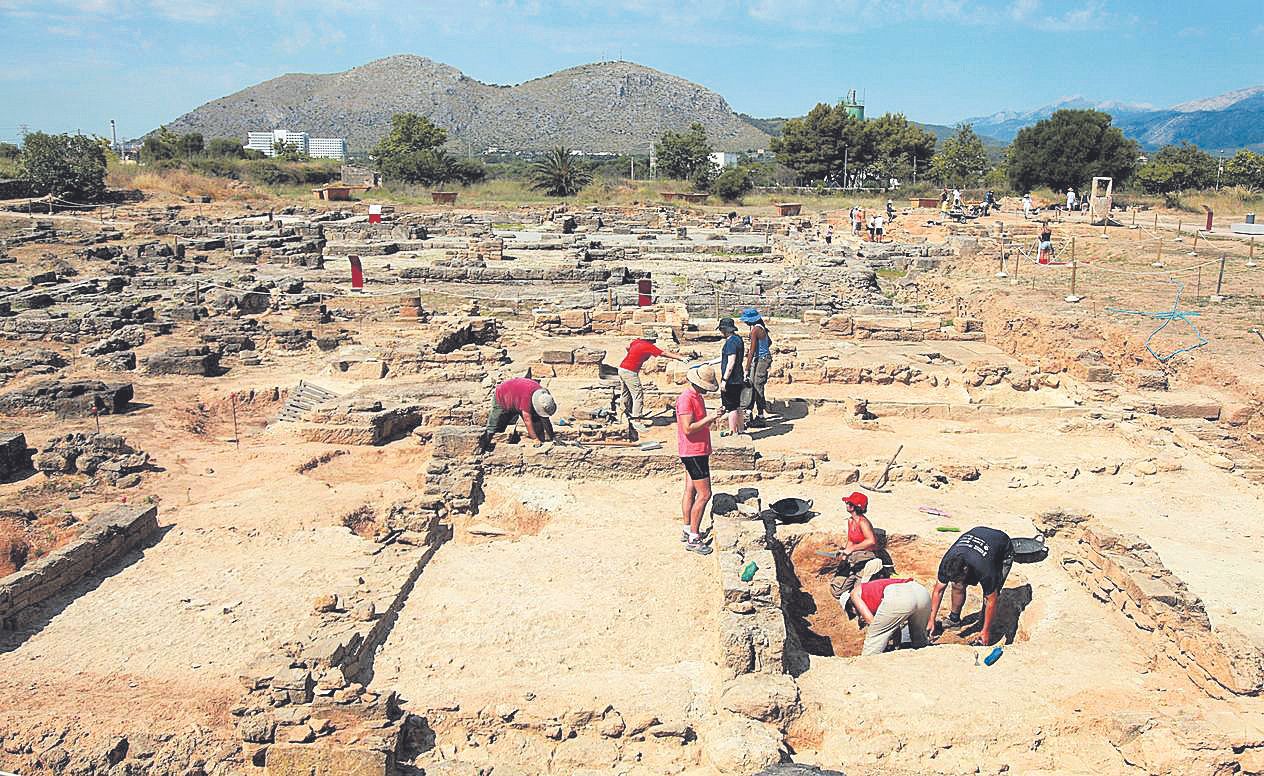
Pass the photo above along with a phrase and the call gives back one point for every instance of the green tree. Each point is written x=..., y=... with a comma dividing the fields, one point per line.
x=288, y=152
x=560, y=174
x=225, y=148
x=1069, y=149
x=824, y=142
x=9, y=151
x=685, y=155
x=962, y=160
x=165, y=144
x=1177, y=168
x=410, y=152
x=1246, y=169
x=733, y=183
x=897, y=142
x=70, y=166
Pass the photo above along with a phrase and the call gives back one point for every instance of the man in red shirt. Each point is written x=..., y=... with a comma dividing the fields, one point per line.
x=523, y=398
x=639, y=351
x=886, y=606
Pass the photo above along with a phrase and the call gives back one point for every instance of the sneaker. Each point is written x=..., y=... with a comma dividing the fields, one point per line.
x=700, y=547
x=684, y=535
x=954, y=619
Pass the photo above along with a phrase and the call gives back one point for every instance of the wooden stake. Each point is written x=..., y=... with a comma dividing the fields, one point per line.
x=1156, y=221
x=1194, y=247
x=1220, y=278
x=236, y=435
x=1198, y=289
x=716, y=289
x=1134, y=216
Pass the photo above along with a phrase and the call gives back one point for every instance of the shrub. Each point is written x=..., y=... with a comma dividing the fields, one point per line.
x=732, y=184
x=69, y=166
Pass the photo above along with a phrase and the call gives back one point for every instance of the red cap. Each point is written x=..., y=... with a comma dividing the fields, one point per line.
x=857, y=499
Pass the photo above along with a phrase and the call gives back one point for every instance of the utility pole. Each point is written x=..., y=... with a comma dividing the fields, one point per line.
x=914, y=170
x=844, y=167
x=632, y=161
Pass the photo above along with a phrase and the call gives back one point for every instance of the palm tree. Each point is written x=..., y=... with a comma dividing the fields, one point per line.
x=559, y=174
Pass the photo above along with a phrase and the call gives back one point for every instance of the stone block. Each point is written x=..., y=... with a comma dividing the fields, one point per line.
x=763, y=697
x=457, y=441
x=326, y=760
x=966, y=325
x=1187, y=408
x=574, y=319
x=558, y=357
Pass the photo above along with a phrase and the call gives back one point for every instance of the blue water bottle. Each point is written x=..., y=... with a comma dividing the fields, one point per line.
x=993, y=656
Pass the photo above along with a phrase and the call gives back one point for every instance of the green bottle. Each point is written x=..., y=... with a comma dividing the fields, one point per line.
x=748, y=571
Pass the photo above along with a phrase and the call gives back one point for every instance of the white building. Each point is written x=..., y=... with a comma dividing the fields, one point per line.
x=315, y=147
x=724, y=159
x=327, y=148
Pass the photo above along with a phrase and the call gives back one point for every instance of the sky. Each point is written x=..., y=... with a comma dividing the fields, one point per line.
x=68, y=65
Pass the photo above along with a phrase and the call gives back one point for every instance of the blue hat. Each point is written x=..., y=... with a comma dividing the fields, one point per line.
x=750, y=315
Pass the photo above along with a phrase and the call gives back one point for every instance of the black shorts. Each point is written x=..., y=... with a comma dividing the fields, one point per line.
x=698, y=467
x=731, y=396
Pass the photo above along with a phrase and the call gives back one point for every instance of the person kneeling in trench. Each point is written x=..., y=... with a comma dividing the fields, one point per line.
x=523, y=398
x=860, y=555
x=886, y=606
x=981, y=556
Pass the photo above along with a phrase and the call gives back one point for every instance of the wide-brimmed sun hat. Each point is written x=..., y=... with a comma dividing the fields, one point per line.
x=751, y=315
x=726, y=324
x=543, y=403
x=703, y=378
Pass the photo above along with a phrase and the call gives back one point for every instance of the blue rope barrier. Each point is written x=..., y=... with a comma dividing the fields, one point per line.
x=1175, y=314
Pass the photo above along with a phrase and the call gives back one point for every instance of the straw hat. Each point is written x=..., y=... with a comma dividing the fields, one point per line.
x=703, y=378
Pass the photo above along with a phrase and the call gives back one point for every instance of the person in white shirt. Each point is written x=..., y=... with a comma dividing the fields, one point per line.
x=878, y=224
x=1027, y=207
x=1070, y=199
x=956, y=197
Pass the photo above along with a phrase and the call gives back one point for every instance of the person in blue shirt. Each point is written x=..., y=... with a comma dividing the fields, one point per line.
x=758, y=362
x=732, y=374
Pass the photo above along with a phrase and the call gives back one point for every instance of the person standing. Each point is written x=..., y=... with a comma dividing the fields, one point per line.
x=758, y=362
x=829, y=233
x=956, y=197
x=879, y=227
x=1044, y=249
x=857, y=218
x=1027, y=206
x=886, y=606
x=871, y=227
x=943, y=210
x=522, y=397
x=632, y=393
x=1070, y=198
x=981, y=556
x=732, y=378
x=693, y=439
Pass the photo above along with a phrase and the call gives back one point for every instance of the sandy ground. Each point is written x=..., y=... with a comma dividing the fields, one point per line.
x=602, y=606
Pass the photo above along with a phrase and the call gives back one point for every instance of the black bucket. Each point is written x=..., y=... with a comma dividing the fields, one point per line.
x=792, y=510
x=1029, y=550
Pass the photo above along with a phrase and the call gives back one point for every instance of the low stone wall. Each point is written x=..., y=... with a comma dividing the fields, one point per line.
x=15, y=456
x=306, y=709
x=1126, y=573
x=108, y=537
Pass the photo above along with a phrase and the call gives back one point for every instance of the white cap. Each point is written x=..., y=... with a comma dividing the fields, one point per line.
x=542, y=402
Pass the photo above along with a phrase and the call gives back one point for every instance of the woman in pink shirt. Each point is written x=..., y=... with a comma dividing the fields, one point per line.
x=693, y=436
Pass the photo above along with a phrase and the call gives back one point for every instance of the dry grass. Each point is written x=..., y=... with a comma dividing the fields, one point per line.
x=180, y=183
x=362, y=521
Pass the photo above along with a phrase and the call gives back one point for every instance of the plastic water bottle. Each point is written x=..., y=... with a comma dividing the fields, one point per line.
x=993, y=656
x=748, y=571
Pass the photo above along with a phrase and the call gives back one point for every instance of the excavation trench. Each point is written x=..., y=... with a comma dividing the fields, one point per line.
x=824, y=629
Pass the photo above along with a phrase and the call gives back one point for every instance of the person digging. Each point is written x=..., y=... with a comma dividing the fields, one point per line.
x=632, y=393
x=521, y=397
x=693, y=437
x=887, y=605
x=981, y=556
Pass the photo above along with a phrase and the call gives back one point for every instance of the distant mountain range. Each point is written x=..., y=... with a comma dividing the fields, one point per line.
x=1228, y=121
x=606, y=106
x=621, y=107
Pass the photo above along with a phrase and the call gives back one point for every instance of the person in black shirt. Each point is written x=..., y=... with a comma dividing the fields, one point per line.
x=981, y=556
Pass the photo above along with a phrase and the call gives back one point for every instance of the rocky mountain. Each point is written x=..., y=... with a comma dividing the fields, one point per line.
x=1229, y=121
x=606, y=106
